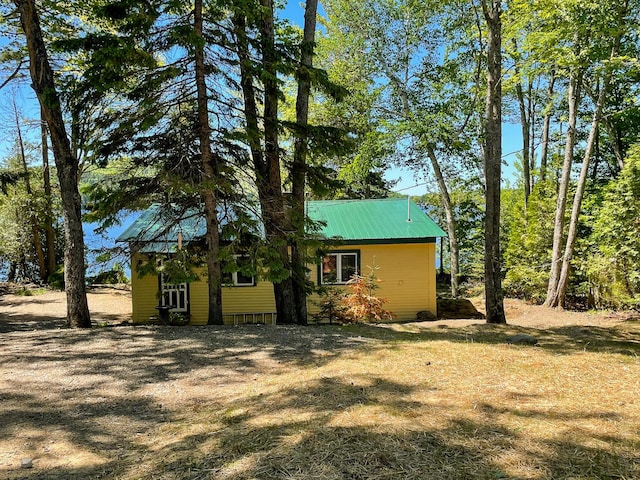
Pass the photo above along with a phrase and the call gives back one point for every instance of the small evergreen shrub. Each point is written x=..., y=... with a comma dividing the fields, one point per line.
x=362, y=306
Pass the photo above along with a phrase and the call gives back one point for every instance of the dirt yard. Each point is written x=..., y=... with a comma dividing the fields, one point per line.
x=445, y=399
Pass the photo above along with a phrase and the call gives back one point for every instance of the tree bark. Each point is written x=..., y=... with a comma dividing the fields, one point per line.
x=209, y=177
x=267, y=161
x=492, y=163
x=525, y=128
x=546, y=128
x=454, y=251
x=299, y=165
x=558, y=300
x=66, y=164
x=269, y=180
x=33, y=219
x=49, y=233
x=573, y=93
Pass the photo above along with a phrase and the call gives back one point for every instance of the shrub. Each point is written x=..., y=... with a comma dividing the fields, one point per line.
x=362, y=305
x=332, y=308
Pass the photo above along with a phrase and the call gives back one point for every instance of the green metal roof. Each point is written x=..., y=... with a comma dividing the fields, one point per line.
x=393, y=220
x=158, y=227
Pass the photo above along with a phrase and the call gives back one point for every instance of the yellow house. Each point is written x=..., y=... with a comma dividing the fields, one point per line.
x=394, y=236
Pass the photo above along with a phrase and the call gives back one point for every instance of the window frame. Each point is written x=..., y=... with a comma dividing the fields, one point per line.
x=234, y=276
x=338, y=254
x=178, y=289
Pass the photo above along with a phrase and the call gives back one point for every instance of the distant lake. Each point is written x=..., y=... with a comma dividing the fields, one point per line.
x=97, y=243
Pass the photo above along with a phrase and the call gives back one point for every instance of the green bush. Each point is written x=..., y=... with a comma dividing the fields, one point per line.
x=56, y=279
x=527, y=283
x=109, y=277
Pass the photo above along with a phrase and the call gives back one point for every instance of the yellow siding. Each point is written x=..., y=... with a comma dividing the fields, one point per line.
x=406, y=274
x=256, y=299
x=144, y=292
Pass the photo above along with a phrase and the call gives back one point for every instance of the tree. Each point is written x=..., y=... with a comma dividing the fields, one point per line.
x=614, y=264
x=66, y=164
x=299, y=164
x=615, y=19
x=422, y=93
x=492, y=10
x=210, y=177
x=263, y=144
x=33, y=220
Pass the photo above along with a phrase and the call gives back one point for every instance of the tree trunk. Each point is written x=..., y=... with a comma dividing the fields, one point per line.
x=573, y=93
x=299, y=166
x=558, y=300
x=546, y=128
x=492, y=163
x=269, y=180
x=267, y=162
x=525, y=128
x=454, y=252
x=48, y=215
x=11, y=274
x=33, y=219
x=209, y=177
x=616, y=142
x=66, y=164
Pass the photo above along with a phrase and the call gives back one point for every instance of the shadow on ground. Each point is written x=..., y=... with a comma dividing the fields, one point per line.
x=99, y=391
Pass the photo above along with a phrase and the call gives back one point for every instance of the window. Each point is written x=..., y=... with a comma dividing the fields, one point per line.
x=241, y=277
x=338, y=267
x=174, y=295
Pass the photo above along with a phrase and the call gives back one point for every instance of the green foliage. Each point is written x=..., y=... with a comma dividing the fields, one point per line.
x=178, y=318
x=17, y=209
x=112, y=276
x=331, y=305
x=29, y=292
x=529, y=239
x=56, y=279
x=468, y=209
x=614, y=266
x=179, y=268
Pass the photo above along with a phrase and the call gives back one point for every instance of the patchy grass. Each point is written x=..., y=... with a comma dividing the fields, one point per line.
x=30, y=292
x=406, y=401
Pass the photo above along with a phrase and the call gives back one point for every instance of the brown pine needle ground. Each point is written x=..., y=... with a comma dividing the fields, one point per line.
x=412, y=401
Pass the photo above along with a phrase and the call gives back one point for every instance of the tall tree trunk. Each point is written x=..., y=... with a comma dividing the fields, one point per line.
x=454, y=251
x=49, y=233
x=66, y=165
x=558, y=300
x=525, y=128
x=11, y=274
x=209, y=177
x=573, y=93
x=615, y=140
x=546, y=128
x=266, y=161
x=269, y=180
x=492, y=10
x=33, y=219
x=299, y=166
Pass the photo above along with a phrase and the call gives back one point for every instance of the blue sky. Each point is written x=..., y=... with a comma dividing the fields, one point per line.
x=294, y=10
x=408, y=184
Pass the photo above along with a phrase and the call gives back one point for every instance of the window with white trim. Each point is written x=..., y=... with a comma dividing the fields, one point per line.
x=338, y=267
x=174, y=295
x=238, y=278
